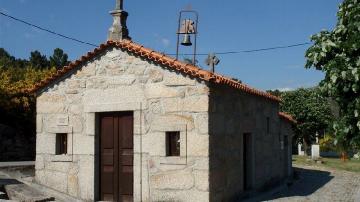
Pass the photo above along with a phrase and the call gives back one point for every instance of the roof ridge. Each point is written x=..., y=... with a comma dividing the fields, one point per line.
x=160, y=58
x=287, y=117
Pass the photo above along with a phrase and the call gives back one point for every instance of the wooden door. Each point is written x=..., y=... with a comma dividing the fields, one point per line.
x=116, y=159
x=247, y=159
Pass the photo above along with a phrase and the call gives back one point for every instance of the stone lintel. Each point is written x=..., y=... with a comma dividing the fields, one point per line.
x=112, y=107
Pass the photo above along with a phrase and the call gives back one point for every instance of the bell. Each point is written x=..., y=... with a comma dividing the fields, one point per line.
x=186, y=41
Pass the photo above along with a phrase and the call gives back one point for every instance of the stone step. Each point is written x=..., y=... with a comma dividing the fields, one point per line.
x=24, y=193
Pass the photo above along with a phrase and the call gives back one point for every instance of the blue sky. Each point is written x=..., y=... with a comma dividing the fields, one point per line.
x=229, y=25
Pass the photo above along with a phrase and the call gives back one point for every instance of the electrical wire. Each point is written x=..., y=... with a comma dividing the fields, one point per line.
x=217, y=53
x=47, y=30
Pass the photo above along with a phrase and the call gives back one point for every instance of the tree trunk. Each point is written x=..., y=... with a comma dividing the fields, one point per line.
x=305, y=147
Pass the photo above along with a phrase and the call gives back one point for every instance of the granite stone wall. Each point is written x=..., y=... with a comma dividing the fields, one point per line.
x=161, y=100
x=231, y=115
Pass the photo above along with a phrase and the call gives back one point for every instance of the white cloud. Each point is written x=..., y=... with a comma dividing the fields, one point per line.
x=285, y=89
x=165, y=42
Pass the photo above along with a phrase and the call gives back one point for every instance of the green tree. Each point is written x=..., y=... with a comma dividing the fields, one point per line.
x=311, y=110
x=5, y=58
x=38, y=61
x=336, y=53
x=59, y=58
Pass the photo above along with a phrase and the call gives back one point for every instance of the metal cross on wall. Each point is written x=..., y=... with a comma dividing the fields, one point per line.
x=211, y=61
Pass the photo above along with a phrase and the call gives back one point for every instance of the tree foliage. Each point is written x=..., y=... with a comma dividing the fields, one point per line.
x=311, y=110
x=17, y=108
x=59, y=58
x=38, y=61
x=337, y=54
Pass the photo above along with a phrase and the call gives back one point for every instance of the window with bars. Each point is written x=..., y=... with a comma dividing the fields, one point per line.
x=61, y=143
x=173, y=143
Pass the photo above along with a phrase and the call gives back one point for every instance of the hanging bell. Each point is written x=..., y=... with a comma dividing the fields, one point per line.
x=187, y=40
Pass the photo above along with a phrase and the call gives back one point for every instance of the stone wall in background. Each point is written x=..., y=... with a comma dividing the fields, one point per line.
x=233, y=113
x=162, y=101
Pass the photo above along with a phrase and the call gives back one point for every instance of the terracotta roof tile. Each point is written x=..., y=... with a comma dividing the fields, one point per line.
x=158, y=58
x=288, y=117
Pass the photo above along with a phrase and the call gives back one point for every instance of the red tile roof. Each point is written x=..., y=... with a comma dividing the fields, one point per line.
x=158, y=58
x=287, y=117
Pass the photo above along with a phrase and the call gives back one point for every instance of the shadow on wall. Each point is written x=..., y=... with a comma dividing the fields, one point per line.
x=225, y=165
x=308, y=182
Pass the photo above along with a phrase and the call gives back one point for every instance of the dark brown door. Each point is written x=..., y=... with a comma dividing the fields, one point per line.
x=247, y=160
x=116, y=159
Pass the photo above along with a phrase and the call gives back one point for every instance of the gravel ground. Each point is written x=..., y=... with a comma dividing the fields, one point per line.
x=321, y=184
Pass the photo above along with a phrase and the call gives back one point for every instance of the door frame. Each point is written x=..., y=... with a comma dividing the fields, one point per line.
x=248, y=179
x=92, y=114
x=118, y=164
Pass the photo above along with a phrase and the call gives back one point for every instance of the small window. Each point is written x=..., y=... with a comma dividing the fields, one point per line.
x=61, y=143
x=267, y=125
x=173, y=143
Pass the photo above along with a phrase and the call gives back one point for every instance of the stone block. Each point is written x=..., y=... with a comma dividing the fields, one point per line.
x=39, y=123
x=47, y=142
x=76, y=109
x=153, y=143
x=73, y=183
x=40, y=177
x=50, y=107
x=201, y=163
x=62, y=167
x=172, y=104
x=201, y=180
x=58, y=129
x=196, y=104
x=62, y=157
x=135, y=69
x=171, y=121
x=84, y=144
x=180, y=195
x=96, y=83
x=50, y=97
x=56, y=180
x=86, y=177
x=71, y=91
x=178, y=80
x=116, y=106
x=154, y=75
x=202, y=123
x=198, y=145
x=122, y=94
x=124, y=80
x=76, y=123
x=87, y=71
x=39, y=162
x=197, y=90
x=160, y=91
x=90, y=124
x=172, y=180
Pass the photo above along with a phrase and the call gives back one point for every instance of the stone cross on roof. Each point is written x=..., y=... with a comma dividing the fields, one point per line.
x=119, y=5
x=119, y=31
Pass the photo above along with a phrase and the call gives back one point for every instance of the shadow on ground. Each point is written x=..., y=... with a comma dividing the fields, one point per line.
x=306, y=182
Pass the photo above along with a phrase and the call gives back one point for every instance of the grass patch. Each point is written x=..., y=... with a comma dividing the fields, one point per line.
x=335, y=163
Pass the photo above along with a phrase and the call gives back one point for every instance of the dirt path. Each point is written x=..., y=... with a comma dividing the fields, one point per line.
x=321, y=184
